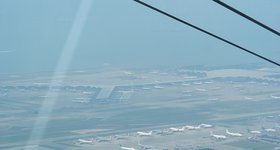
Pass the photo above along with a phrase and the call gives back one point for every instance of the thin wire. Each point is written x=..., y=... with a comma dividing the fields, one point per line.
x=247, y=17
x=206, y=32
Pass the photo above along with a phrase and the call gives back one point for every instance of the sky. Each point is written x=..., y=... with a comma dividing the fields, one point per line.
x=33, y=34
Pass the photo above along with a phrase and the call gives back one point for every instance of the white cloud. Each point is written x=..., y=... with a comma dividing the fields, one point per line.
x=6, y=51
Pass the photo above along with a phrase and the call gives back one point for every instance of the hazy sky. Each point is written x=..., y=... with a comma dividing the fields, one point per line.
x=122, y=32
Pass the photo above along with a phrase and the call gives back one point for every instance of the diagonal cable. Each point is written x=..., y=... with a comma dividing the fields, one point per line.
x=206, y=32
x=247, y=17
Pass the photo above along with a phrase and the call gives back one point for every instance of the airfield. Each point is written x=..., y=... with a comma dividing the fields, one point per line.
x=108, y=108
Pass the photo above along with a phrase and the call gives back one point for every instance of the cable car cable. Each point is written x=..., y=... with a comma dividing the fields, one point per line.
x=247, y=17
x=206, y=32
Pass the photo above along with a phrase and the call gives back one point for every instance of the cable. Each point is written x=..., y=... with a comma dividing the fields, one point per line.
x=206, y=32
x=247, y=17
